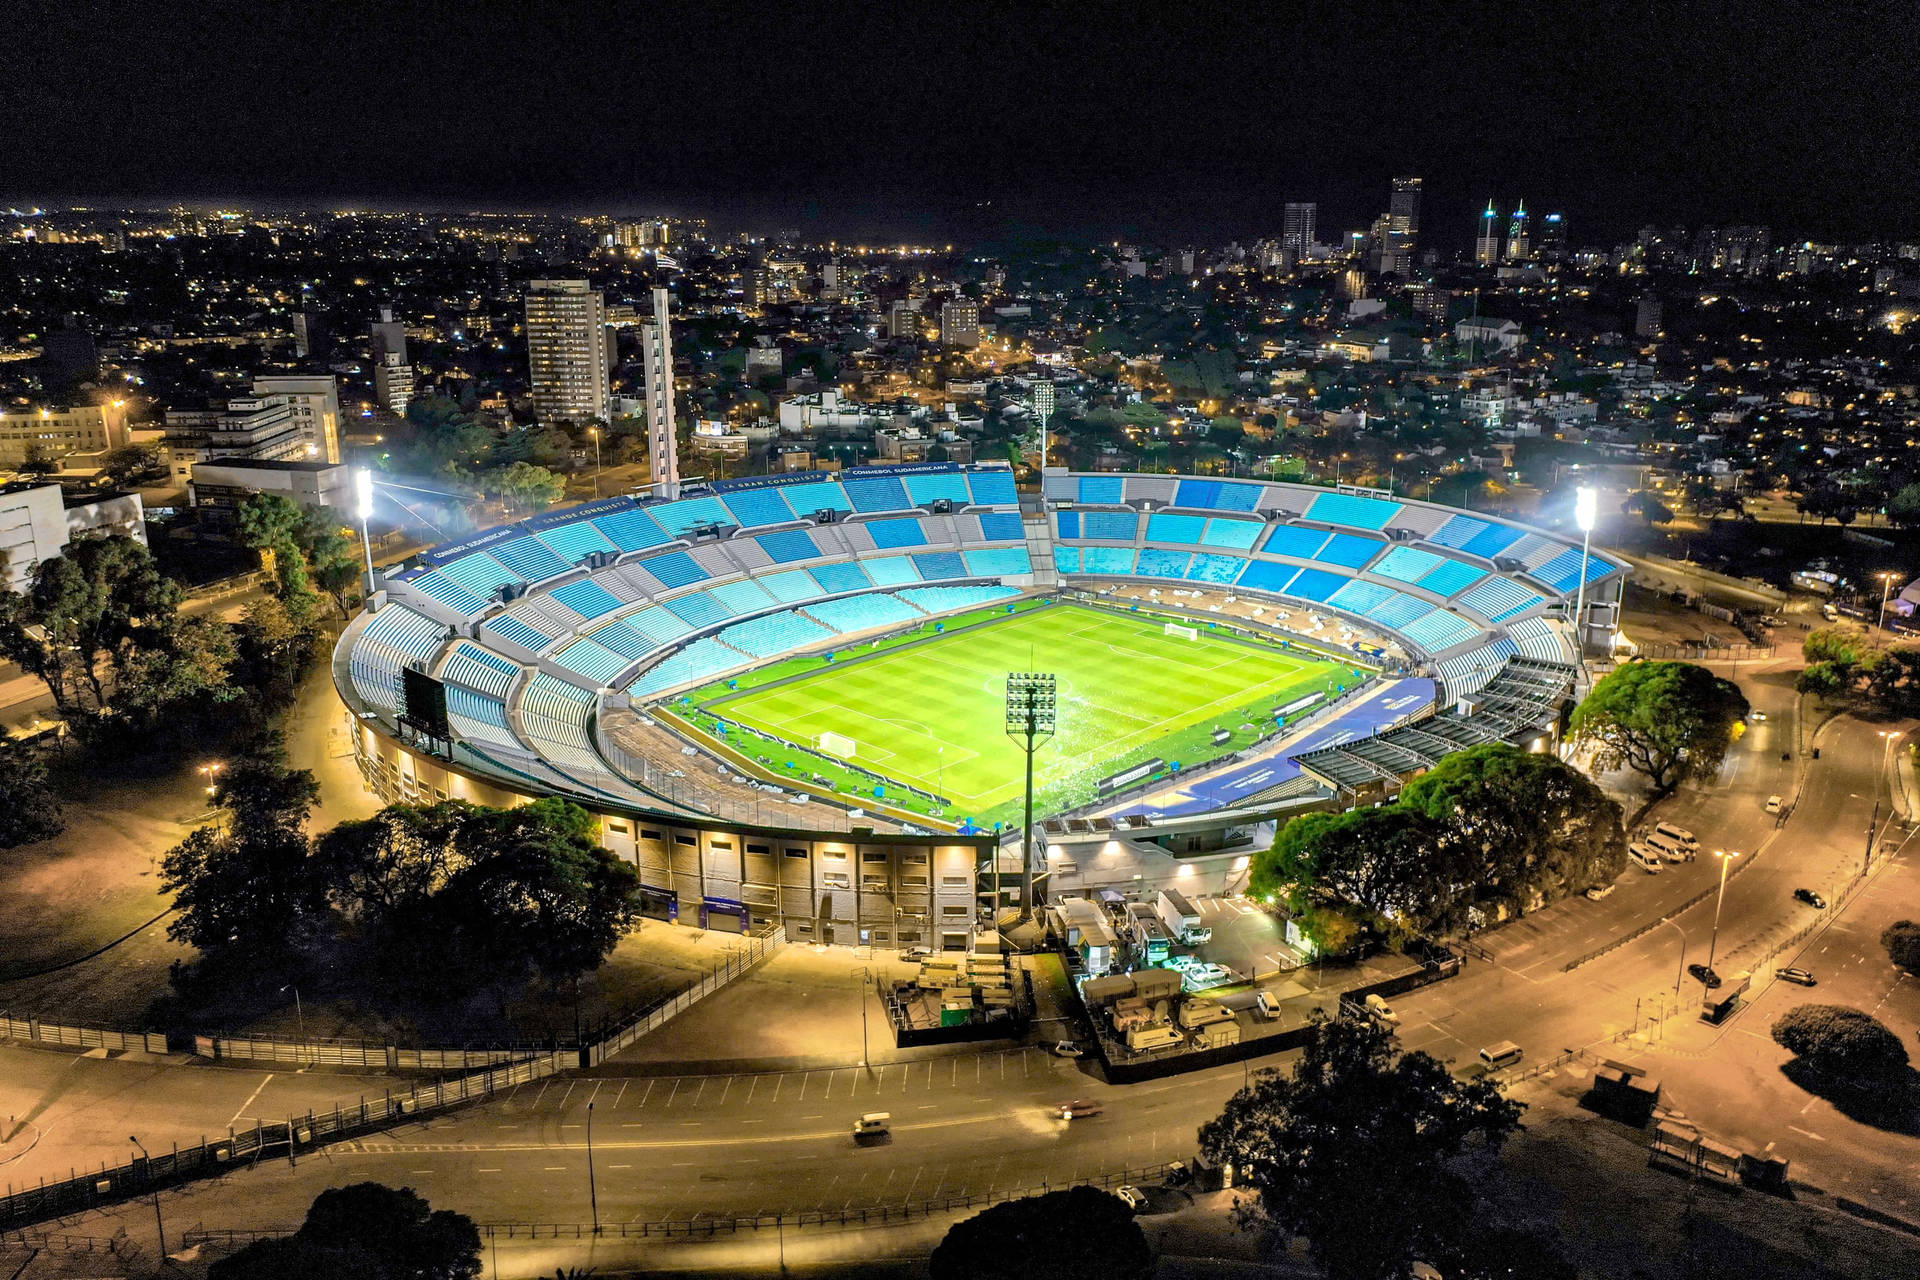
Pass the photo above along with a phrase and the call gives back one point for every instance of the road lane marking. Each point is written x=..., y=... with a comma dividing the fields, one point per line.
x=1797, y=1129
x=621, y=1094
x=249, y=1102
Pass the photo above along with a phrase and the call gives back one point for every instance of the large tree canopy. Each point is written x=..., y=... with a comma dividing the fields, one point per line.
x=1352, y=1150
x=1842, y=1041
x=1082, y=1233
x=368, y=1231
x=1671, y=721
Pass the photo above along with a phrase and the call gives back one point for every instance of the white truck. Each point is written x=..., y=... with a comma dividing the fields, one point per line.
x=1182, y=921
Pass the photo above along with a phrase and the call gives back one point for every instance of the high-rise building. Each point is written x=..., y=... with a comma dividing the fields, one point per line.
x=1402, y=229
x=569, y=357
x=960, y=323
x=261, y=428
x=313, y=401
x=393, y=384
x=1519, y=244
x=388, y=338
x=1649, y=318
x=1486, y=244
x=656, y=356
x=903, y=318
x=1553, y=238
x=1298, y=230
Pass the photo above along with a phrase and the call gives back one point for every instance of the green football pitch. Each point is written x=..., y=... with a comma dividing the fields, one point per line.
x=933, y=714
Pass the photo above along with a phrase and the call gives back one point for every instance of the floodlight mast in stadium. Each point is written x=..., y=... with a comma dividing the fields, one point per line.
x=1030, y=721
x=1586, y=503
x=363, y=490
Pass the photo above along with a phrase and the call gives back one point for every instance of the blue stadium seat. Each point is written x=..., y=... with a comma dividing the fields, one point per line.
x=815, y=496
x=632, y=530
x=448, y=592
x=1406, y=564
x=1348, y=550
x=1221, y=495
x=575, y=542
x=1236, y=535
x=593, y=660
x=948, y=599
x=1562, y=573
x=529, y=557
x=1353, y=511
x=699, y=609
x=1439, y=630
x=1209, y=568
x=1068, y=523
x=940, y=564
x=836, y=578
x=951, y=486
x=521, y=633
x=1451, y=577
x=467, y=704
x=675, y=569
x=788, y=545
x=1292, y=540
x=790, y=586
x=859, y=613
x=1498, y=599
x=1358, y=597
x=875, y=493
x=743, y=596
x=1107, y=561
x=1102, y=491
x=752, y=507
x=1317, y=584
x=1162, y=527
x=624, y=640
x=993, y=488
x=890, y=534
x=587, y=598
x=703, y=658
x=1458, y=531
x=479, y=573
x=1002, y=526
x=657, y=624
x=481, y=669
x=1111, y=526
x=1158, y=563
x=1260, y=575
x=774, y=634
x=997, y=562
x=690, y=513
x=891, y=571
x=1397, y=612
x=1492, y=541
x=1067, y=559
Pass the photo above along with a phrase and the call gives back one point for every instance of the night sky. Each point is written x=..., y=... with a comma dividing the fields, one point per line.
x=1174, y=121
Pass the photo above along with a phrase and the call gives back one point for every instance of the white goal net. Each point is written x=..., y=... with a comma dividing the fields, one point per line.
x=1175, y=629
x=837, y=745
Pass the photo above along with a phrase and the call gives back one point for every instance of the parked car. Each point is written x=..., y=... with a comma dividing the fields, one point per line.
x=1066, y=1049
x=1600, y=891
x=1267, y=1005
x=1078, y=1109
x=1707, y=977
x=1773, y=804
x=1382, y=1010
x=1133, y=1197
x=914, y=955
x=1799, y=977
x=1811, y=898
x=1758, y=717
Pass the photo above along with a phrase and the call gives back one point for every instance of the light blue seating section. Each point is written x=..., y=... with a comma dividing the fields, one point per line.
x=675, y=569
x=524, y=634
x=1498, y=599
x=397, y=637
x=1458, y=531
x=994, y=488
x=774, y=633
x=1439, y=630
x=889, y=534
x=448, y=592
x=624, y=640
x=575, y=542
x=997, y=562
x=703, y=658
x=1068, y=523
x=473, y=706
x=816, y=496
x=1562, y=573
x=950, y=485
x=1359, y=597
x=593, y=660
x=891, y=571
x=529, y=557
x=1156, y=563
x=699, y=609
x=658, y=624
x=1110, y=526
x=1348, y=550
x=790, y=586
x=1263, y=575
x=1317, y=584
x=1163, y=527
x=948, y=599
x=1237, y=535
x=934, y=565
x=481, y=669
x=788, y=545
x=859, y=613
x=1451, y=577
x=752, y=507
x=586, y=597
x=480, y=573
x=555, y=699
x=875, y=493
x=1399, y=611
x=1102, y=491
x=1210, y=568
x=1407, y=564
x=1067, y=559
x=836, y=578
x=1110, y=561
x=1221, y=495
x=1292, y=540
x=743, y=596
x=1353, y=511
x=690, y=513
x=633, y=530
x=1002, y=526
x=1492, y=541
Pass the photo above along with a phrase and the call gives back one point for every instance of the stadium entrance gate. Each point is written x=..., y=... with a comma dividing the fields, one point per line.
x=725, y=915
x=659, y=904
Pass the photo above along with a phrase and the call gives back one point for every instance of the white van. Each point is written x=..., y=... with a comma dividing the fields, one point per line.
x=1668, y=849
x=1499, y=1056
x=1679, y=835
x=1640, y=856
x=1268, y=1005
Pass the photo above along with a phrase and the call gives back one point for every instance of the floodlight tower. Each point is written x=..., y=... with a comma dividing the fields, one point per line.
x=1043, y=413
x=1586, y=504
x=1030, y=720
x=363, y=493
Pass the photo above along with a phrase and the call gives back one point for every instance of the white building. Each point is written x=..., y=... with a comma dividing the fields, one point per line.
x=219, y=489
x=663, y=444
x=258, y=428
x=393, y=384
x=1488, y=335
x=569, y=351
x=37, y=522
x=313, y=401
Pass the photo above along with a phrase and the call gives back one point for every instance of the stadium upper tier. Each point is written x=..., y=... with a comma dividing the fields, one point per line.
x=533, y=626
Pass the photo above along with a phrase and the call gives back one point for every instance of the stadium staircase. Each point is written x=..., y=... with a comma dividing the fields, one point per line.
x=1033, y=518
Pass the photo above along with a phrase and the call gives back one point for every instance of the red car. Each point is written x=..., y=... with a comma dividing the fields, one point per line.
x=1078, y=1110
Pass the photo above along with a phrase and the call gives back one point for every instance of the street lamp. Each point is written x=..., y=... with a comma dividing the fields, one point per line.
x=363, y=490
x=595, y=433
x=1585, y=507
x=211, y=772
x=866, y=976
x=158, y=1222
x=1726, y=857
x=1030, y=721
x=593, y=1191
x=1885, y=590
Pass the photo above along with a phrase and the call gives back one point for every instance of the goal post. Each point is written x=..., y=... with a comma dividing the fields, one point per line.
x=1190, y=633
x=837, y=745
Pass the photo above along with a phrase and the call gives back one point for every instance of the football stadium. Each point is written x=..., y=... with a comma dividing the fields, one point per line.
x=786, y=697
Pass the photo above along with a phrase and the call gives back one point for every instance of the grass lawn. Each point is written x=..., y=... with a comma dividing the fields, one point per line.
x=932, y=714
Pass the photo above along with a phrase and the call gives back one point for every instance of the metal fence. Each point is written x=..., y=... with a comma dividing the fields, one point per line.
x=35, y=1031
x=374, y=1054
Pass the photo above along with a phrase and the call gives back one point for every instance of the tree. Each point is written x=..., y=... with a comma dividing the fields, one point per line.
x=274, y=522
x=1391, y=862
x=31, y=813
x=95, y=607
x=1840, y=1041
x=133, y=464
x=369, y=1231
x=1081, y=1233
x=523, y=485
x=1902, y=941
x=168, y=692
x=248, y=886
x=1671, y=721
x=274, y=646
x=1353, y=1150
x=39, y=461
